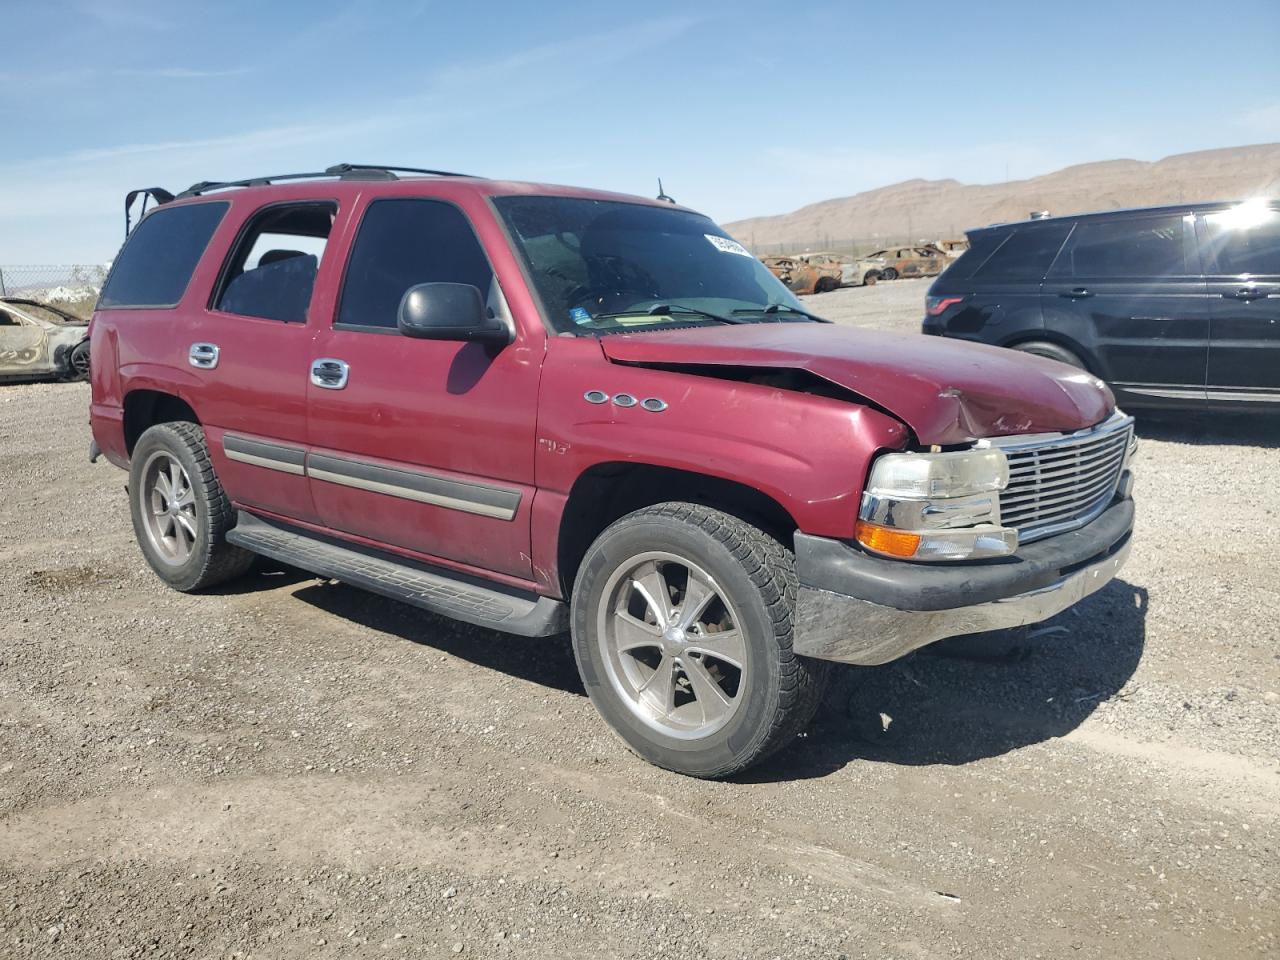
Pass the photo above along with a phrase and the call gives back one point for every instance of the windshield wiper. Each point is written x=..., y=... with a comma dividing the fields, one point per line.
x=658, y=309
x=773, y=308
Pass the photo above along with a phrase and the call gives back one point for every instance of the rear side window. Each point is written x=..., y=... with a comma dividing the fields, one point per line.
x=403, y=243
x=1244, y=240
x=272, y=269
x=1147, y=247
x=981, y=246
x=157, y=261
x=1026, y=255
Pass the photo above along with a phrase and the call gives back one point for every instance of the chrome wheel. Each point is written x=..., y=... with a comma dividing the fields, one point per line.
x=169, y=508
x=672, y=645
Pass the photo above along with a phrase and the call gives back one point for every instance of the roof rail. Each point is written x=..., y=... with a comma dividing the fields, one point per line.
x=343, y=171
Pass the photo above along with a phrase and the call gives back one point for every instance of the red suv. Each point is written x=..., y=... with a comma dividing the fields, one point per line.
x=530, y=408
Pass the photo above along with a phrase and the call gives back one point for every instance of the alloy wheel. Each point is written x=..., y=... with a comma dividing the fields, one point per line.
x=169, y=508
x=673, y=645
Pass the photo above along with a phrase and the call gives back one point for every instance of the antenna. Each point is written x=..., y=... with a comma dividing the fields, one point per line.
x=662, y=194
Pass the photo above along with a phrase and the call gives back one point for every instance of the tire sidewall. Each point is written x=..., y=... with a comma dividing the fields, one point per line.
x=751, y=722
x=164, y=438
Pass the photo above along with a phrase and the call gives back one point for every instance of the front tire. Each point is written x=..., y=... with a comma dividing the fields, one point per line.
x=181, y=514
x=682, y=631
x=889, y=273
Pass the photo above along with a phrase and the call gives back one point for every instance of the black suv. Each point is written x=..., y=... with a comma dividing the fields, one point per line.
x=1172, y=306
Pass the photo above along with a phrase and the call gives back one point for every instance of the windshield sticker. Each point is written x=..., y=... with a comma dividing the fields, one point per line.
x=579, y=315
x=725, y=245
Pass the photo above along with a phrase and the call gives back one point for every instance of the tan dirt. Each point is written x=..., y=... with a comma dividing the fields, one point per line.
x=289, y=769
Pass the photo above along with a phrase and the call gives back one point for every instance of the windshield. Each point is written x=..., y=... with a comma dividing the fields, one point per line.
x=602, y=266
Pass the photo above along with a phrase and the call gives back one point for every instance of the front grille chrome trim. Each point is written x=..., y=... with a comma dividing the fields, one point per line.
x=1060, y=482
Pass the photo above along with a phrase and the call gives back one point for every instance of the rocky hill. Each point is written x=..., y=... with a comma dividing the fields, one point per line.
x=918, y=209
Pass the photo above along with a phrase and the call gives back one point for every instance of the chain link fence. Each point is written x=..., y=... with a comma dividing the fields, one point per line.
x=73, y=287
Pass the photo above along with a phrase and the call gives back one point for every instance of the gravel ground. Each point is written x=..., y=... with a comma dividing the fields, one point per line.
x=288, y=768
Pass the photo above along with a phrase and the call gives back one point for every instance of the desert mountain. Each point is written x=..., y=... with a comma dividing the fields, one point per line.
x=917, y=209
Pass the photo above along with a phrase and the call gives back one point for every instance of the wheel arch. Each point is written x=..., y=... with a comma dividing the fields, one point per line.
x=1057, y=339
x=605, y=492
x=145, y=408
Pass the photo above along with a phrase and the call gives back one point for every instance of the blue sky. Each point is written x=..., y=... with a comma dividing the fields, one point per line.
x=742, y=108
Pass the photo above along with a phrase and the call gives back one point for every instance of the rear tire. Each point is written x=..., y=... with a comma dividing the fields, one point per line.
x=889, y=273
x=181, y=514
x=1042, y=348
x=826, y=285
x=705, y=689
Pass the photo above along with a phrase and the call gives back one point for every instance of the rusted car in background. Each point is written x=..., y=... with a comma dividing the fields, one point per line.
x=39, y=341
x=853, y=272
x=952, y=248
x=802, y=277
x=914, y=261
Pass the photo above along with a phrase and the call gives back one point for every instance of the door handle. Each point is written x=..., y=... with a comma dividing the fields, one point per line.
x=203, y=355
x=1247, y=293
x=329, y=373
x=1076, y=293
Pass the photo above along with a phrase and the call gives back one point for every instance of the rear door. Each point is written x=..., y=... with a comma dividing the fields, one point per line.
x=1130, y=291
x=423, y=445
x=1000, y=297
x=250, y=349
x=1241, y=249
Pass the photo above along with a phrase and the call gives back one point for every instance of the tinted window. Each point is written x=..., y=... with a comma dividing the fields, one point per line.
x=1244, y=239
x=1026, y=255
x=1145, y=247
x=403, y=243
x=981, y=246
x=272, y=269
x=157, y=261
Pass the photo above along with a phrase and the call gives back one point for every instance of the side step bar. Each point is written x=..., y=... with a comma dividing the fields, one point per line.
x=445, y=593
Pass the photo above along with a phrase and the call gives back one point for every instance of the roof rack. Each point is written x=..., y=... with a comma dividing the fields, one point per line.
x=343, y=171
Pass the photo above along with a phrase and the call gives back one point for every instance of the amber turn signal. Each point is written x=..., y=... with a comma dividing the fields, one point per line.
x=895, y=543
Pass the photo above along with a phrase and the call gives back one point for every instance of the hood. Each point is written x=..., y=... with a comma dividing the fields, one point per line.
x=946, y=391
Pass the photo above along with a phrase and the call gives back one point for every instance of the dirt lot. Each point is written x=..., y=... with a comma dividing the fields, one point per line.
x=290, y=769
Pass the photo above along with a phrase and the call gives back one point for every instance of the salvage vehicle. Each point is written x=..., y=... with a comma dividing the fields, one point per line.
x=40, y=341
x=952, y=248
x=802, y=277
x=853, y=273
x=1175, y=306
x=544, y=409
x=921, y=261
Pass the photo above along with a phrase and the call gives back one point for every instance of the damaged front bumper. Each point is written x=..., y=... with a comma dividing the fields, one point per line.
x=856, y=608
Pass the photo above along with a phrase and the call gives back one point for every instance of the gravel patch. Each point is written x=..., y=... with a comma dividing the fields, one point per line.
x=289, y=768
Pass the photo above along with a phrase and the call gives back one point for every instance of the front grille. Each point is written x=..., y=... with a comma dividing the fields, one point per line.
x=1062, y=482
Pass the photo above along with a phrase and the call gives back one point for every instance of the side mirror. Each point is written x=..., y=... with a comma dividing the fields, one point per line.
x=449, y=311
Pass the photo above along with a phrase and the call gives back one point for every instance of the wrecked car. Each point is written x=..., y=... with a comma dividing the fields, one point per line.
x=917, y=261
x=543, y=409
x=802, y=277
x=38, y=340
x=853, y=273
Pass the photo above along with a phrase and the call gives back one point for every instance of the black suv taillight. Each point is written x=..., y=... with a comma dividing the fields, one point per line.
x=936, y=306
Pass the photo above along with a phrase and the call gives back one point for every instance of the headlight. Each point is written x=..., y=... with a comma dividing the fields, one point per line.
x=936, y=506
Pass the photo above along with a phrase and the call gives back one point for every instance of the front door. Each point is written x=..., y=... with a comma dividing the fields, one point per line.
x=423, y=445
x=1241, y=248
x=1131, y=291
